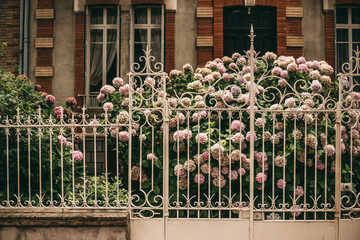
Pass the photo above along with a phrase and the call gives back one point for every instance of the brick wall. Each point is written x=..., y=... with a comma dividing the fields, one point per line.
x=329, y=38
x=44, y=55
x=169, y=41
x=79, y=56
x=214, y=27
x=10, y=33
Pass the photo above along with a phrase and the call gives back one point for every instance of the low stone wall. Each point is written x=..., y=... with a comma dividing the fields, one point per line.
x=64, y=225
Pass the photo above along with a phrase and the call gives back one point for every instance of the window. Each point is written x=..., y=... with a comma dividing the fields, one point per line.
x=147, y=24
x=237, y=22
x=102, y=47
x=347, y=34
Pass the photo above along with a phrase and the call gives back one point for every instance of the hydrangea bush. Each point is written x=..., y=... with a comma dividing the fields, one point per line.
x=209, y=134
x=20, y=103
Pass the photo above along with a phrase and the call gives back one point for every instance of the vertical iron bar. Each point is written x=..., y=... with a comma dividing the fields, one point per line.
x=252, y=128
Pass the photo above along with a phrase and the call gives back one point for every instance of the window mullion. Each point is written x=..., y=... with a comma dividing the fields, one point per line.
x=104, y=55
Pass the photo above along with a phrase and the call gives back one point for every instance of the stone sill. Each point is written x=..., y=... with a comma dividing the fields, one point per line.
x=63, y=217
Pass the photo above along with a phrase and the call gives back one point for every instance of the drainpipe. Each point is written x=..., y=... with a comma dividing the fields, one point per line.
x=26, y=37
x=21, y=50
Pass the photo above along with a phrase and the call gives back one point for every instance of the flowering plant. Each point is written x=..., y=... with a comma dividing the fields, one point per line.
x=209, y=133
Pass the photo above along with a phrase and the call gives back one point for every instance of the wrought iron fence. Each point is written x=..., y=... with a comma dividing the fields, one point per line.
x=240, y=143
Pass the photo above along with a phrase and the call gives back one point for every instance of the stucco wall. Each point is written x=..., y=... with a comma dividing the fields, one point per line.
x=64, y=51
x=185, y=33
x=313, y=30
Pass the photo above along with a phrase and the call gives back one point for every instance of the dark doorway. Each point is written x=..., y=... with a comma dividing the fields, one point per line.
x=237, y=22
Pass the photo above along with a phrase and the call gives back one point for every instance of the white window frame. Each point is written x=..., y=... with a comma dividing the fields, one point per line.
x=147, y=26
x=349, y=26
x=104, y=26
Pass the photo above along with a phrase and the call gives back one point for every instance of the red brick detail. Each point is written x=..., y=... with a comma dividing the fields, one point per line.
x=205, y=3
x=147, y=2
x=101, y=2
x=79, y=56
x=205, y=54
x=10, y=34
x=329, y=38
x=169, y=41
x=218, y=32
x=44, y=57
x=44, y=28
x=347, y=2
x=45, y=4
x=45, y=83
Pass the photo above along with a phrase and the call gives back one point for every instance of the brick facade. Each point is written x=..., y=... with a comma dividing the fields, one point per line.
x=214, y=27
x=169, y=41
x=44, y=55
x=79, y=56
x=10, y=33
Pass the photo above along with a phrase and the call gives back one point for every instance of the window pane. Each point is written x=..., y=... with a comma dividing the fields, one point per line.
x=95, y=67
x=111, y=15
x=138, y=52
x=342, y=35
x=141, y=35
x=341, y=54
x=342, y=15
x=140, y=15
x=96, y=35
x=96, y=16
x=356, y=47
x=356, y=35
x=111, y=35
x=110, y=62
x=156, y=52
x=156, y=15
x=156, y=35
x=355, y=15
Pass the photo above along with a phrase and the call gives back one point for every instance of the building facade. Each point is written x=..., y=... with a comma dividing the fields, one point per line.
x=72, y=48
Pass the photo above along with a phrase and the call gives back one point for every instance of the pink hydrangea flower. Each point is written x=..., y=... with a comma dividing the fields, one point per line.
x=69, y=144
x=201, y=138
x=225, y=170
x=199, y=178
x=316, y=86
x=303, y=68
x=292, y=67
x=179, y=170
x=226, y=77
x=276, y=71
x=124, y=90
x=241, y=171
x=50, y=99
x=62, y=140
x=284, y=74
x=290, y=102
x=329, y=149
x=124, y=136
x=281, y=183
x=107, y=89
x=296, y=209
x=237, y=125
x=247, y=138
x=215, y=172
x=78, y=156
x=117, y=82
x=233, y=175
x=100, y=97
x=299, y=191
x=301, y=60
x=260, y=177
x=205, y=155
x=108, y=106
x=222, y=70
x=151, y=156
